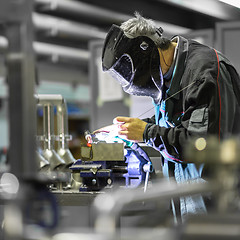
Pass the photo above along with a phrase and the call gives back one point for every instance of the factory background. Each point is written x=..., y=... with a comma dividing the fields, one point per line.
x=67, y=39
x=67, y=35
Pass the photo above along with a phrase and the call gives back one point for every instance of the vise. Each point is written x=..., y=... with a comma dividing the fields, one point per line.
x=104, y=165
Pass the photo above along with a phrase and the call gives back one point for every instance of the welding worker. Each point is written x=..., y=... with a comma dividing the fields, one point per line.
x=195, y=90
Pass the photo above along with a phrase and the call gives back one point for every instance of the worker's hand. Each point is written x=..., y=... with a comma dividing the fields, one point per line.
x=131, y=128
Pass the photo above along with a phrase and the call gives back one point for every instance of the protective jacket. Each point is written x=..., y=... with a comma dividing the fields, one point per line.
x=203, y=99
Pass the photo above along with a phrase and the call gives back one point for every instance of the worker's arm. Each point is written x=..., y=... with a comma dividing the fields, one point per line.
x=201, y=117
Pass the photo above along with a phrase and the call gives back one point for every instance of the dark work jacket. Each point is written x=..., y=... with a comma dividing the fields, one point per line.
x=203, y=99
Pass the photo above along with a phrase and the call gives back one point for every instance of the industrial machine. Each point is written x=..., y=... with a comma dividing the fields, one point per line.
x=107, y=161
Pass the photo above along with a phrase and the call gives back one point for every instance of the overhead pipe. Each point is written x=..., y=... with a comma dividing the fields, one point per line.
x=55, y=51
x=83, y=9
x=64, y=28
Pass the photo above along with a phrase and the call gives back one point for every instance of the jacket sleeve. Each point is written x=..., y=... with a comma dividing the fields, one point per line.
x=149, y=120
x=201, y=117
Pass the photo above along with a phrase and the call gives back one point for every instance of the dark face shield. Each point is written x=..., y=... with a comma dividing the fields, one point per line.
x=123, y=69
x=133, y=62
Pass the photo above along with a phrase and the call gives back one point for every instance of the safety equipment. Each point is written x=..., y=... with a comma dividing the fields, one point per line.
x=134, y=63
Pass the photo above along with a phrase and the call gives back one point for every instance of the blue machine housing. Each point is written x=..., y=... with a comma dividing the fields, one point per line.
x=135, y=174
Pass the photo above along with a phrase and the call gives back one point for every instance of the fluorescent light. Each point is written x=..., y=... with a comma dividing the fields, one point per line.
x=235, y=3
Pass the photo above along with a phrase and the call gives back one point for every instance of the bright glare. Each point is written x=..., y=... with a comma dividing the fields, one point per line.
x=9, y=183
x=200, y=144
x=235, y=3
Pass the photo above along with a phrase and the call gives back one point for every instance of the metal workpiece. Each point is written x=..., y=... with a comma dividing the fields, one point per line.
x=44, y=164
x=76, y=181
x=66, y=155
x=56, y=163
x=104, y=152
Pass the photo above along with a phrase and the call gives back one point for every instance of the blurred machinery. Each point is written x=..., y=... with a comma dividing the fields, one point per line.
x=222, y=221
x=61, y=157
x=53, y=154
x=106, y=160
x=222, y=187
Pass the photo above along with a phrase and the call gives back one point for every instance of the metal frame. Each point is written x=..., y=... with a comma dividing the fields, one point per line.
x=229, y=48
x=21, y=76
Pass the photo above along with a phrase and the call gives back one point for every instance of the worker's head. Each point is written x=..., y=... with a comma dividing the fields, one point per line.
x=131, y=56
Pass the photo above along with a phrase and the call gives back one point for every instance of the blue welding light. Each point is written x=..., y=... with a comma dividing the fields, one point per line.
x=128, y=143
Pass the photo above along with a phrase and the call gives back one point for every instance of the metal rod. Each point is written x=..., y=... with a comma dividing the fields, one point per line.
x=109, y=206
x=48, y=126
x=62, y=124
x=63, y=136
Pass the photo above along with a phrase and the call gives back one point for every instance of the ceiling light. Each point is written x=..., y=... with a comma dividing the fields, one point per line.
x=235, y=3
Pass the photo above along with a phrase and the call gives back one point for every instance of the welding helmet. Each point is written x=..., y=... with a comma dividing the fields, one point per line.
x=134, y=63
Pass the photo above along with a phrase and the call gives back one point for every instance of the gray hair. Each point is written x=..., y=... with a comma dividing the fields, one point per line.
x=140, y=26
